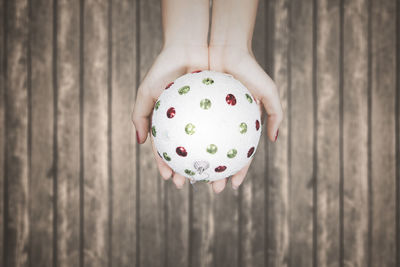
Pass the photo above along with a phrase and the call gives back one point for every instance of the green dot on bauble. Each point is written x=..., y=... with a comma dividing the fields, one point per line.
x=232, y=153
x=190, y=129
x=205, y=103
x=153, y=131
x=243, y=128
x=157, y=105
x=183, y=90
x=212, y=149
x=166, y=157
x=248, y=97
x=189, y=172
x=208, y=81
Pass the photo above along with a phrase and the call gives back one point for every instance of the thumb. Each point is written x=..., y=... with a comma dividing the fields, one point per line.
x=141, y=113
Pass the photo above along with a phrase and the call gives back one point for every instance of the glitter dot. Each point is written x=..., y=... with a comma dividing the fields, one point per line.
x=169, y=85
x=190, y=128
x=212, y=149
x=205, y=103
x=189, y=172
x=250, y=152
x=196, y=71
x=153, y=131
x=232, y=153
x=208, y=81
x=248, y=97
x=257, y=125
x=230, y=99
x=243, y=128
x=171, y=112
x=166, y=157
x=204, y=180
x=220, y=169
x=183, y=90
x=181, y=151
x=157, y=105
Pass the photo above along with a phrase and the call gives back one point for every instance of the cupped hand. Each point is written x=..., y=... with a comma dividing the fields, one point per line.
x=173, y=61
x=241, y=63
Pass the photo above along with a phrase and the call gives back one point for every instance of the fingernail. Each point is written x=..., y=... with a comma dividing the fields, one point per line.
x=137, y=137
x=235, y=187
x=276, y=135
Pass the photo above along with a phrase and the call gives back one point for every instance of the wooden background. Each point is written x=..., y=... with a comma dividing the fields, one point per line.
x=75, y=189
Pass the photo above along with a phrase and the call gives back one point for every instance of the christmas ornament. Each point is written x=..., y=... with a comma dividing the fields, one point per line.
x=206, y=125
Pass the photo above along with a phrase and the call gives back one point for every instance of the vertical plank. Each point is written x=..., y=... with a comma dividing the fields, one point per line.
x=355, y=130
x=16, y=155
x=123, y=146
x=251, y=193
x=2, y=126
x=68, y=149
x=42, y=171
x=152, y=187
x=328, y=127
x=95, y=134
x=277, y=187
x=301, y=133
x=383, y=132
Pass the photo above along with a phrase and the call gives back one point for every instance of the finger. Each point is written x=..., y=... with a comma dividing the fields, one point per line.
x=141, y=113
x=178, y=180
x=262, y=86
x=237, y=178
x=219, y=185
x=163, y=168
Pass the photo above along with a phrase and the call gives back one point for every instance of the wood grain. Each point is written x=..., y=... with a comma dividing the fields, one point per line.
x=68, y=145
x=3, y=128
x=251, y=193
x=42, y=114
x=95, y=140
x=355, y=131
x=16, y=137
x=383, y=133
x=328, y=127
x=277, y=188
x=301, y=128
x=152, y=187
x=123, y=134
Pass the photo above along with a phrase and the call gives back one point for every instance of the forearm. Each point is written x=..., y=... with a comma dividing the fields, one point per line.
x=185, y=22
x=233, y=23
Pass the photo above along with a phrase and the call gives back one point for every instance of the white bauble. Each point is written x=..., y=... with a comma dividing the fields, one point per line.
x=206, y=125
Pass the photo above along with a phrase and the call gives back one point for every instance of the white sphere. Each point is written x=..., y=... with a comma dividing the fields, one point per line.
x=206, y=125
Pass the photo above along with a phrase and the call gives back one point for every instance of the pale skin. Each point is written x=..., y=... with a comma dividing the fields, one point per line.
x=185, y=49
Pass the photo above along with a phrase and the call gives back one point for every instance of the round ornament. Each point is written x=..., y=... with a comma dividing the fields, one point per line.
x=206, y=125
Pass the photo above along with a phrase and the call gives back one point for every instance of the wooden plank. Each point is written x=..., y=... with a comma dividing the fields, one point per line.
x=68, y=149
x=3, y=127
x=152, y=187
x=123, y=134
x=252, y=223
x=383, y=167
x=301, y=133
x=42, y=171
x=16, y=154
x=277, y=187
x=328, y=127
x=95, y=134
x=355, y=130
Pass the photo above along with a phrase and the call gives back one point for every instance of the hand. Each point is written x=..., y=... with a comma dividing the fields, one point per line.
x=240, y=62
x=173, y=61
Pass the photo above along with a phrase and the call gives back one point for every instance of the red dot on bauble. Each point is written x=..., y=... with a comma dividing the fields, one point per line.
x=257, y=125
x=171, y=112
x=230, y=99
x=196, y=71
x=169, y=85
x=220, y=169
x=181, y=151
x=250, y=152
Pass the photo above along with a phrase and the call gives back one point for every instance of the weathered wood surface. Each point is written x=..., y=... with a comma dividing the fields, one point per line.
x=323, y=195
